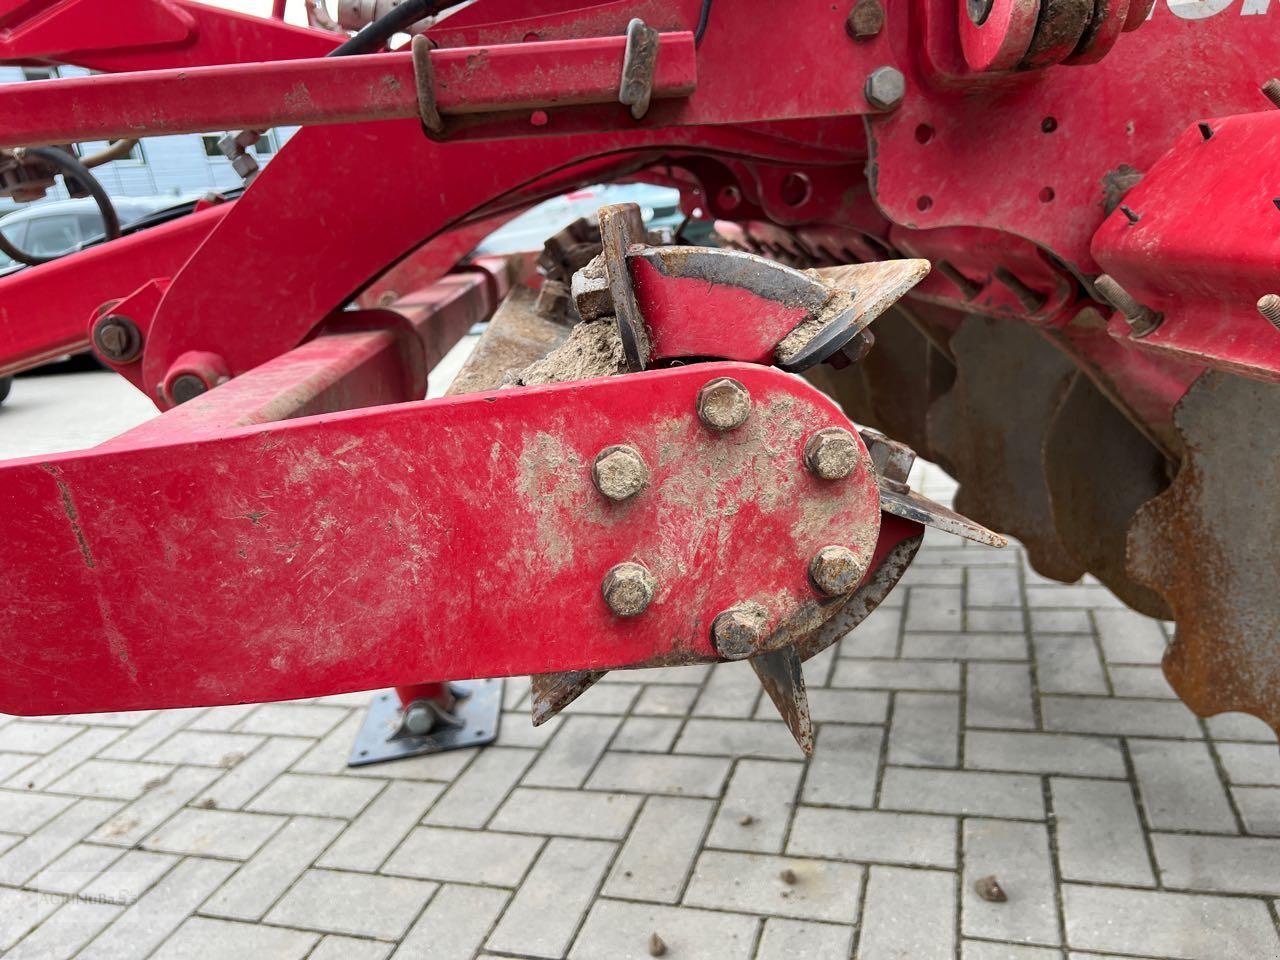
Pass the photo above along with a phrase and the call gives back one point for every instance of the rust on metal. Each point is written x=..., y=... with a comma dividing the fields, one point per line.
x=552, y=692
x=425, y=84
x=832, y=454
x=782, y=675
x=1207, y=545
x=621, y=226
x=724, y=404
x=915, y=506
x=740, y=631
x=638, y=62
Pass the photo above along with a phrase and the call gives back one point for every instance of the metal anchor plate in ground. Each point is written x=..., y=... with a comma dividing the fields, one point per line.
x=479, y=712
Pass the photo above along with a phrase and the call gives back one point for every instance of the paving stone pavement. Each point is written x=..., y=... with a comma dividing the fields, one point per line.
x=984, y=721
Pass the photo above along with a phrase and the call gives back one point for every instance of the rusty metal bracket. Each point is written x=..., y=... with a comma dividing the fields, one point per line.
x=638, y=63
x=425, y=84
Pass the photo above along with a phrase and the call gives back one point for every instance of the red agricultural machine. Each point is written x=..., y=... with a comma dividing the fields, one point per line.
x=628, y=472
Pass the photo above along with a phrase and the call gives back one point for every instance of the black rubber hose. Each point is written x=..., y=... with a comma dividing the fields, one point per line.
x=73, y=172
x=704, y=16
x=396, y=20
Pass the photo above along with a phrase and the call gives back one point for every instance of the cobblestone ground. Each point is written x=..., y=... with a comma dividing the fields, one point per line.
x=983, y=722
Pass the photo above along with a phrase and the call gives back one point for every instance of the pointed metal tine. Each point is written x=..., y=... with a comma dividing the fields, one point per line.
x=782, y=676
x=552, y=692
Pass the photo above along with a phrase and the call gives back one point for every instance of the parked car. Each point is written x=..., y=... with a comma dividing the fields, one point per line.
x=63, y=226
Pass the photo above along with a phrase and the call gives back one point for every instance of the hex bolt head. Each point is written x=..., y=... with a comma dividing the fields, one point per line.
x=724, y=404
x=738, y=632
x=892, y=461
x=865, y=20
x=831, y=454
x=628, y=589
x=187, y=387
x=835, y=570
x=117, y=338
x=620, y=472
x=418, y=719
x=885, y=88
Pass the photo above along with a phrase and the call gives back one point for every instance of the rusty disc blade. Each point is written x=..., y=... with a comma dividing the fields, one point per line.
x=782, y=676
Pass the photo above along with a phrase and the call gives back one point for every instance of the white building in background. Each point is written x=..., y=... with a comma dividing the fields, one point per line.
x=181, y=166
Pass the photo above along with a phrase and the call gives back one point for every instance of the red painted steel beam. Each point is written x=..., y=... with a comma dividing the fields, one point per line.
x=363, y=549
x=45, y=311
x=320, y=90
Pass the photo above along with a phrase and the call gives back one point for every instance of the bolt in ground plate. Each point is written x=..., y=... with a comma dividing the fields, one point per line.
x=478, y=710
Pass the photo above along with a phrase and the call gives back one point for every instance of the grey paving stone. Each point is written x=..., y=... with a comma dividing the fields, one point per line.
x=65, y=931
x=292, y=719
x=214, y=833
x=660, y=773
x=466, y=856
x=336, y=901
x=1129, y=637
x=146, y=924
x=925, y=730
x=12, y=763
x=929, y=575
x=656, y=860
x=24, y=812
x=737, y=738
x=75, y=868
x=785, y=939
x=543, y=917
x=203, y=938
x=50, y=767
x=1141, y=682
x=896, y=674
x=147, y=735
x=129, y=877
x=665, y=701
x=35, y=736
x=246, y=778
x=222, y=718
x=965, y=792
x=383, y=824
x=908, y=913
x=475, y=795
x=620, y=931
x=1017, y=854
x=1260, y=809
x=20, y=911
x=453, y=926
x=731, y=691
x=753, y=883
x=999, y=695
x=334, y=947
x=876, y=636
x=1164, y=924
x=842, y=771
x=935, y=608
x=647, y=734
x=993, y=620
x=1068, y=663
x=1256, y=764
x=1028, y=752
x=1179, y=786
x=874, y=836
x=573, y=752
x=1239, y=726
x=989, y=950
x=965, y=646
x=992, y=587
x=1131, y=718
x=515, y=730
x=567, y=813
x=613, y=698
x=1060, y=621
x=1099, y=835
x=828, y=706
x=22, y=862
x=111, y=779
x=259, y=883
x=763, y=792
x=316, y=796
x=131, y=823
x=1076, y=595
x=202, y=747
x=1222, y=864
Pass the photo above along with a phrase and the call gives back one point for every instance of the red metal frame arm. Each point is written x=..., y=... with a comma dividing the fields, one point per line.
x=373, y=87
x=359, y=549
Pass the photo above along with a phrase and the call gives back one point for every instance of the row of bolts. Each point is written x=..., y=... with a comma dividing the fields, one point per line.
x=724, y=404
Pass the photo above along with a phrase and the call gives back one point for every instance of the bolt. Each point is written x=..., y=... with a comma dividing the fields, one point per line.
x=553, y=299
x=724, y=404
x=891, y=460
x=419, y=719
x=628, y=589
x=831, y=454
x=187, y=387
x=1271, y=90
x=865, y=20
x=620, y=472
x=1269, y=307
x=885, y=88
x=979, y=10
x=1032, y=300
x=1142, y=320
x=739, y=631
x=835, y=570
x=117, y=338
